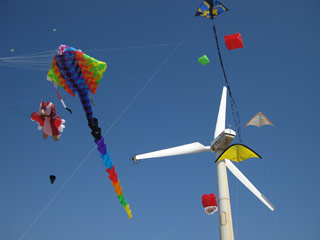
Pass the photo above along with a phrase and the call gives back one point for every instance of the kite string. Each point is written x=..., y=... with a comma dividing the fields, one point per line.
x=40, y=60
x=25, y=101
x=56, y=194
x=148, y=46
x=151, y=78
x=51, y=96
x=234, y=108
x=112, y=125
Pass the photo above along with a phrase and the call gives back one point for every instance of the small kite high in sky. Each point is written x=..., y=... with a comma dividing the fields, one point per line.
x=233, y=41
x=211, y=9
x=79, y=73
x=52, y=178
x=203, y=60
x=259, y=120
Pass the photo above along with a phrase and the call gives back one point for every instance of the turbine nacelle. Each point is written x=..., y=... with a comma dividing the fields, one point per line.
x=223, y=140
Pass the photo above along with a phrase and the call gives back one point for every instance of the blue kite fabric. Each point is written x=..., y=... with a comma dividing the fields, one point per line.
x=79, y=73
x=211, y=9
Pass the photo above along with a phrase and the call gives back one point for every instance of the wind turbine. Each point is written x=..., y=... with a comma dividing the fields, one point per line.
x=222, y=139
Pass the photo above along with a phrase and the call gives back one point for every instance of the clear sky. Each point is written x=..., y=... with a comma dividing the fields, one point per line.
x=277, y=73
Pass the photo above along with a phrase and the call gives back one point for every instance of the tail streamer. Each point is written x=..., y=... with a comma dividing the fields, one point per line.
x=107, y=161
x=102, y=147
x=62, y=102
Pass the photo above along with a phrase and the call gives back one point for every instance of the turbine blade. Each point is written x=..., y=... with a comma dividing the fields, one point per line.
x=180, y=150
x=236, y=172
x=221, y=120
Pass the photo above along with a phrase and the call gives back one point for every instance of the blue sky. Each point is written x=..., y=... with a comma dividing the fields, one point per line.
x=275, y=73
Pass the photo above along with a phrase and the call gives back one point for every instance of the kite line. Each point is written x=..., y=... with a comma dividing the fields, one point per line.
x=39, y=61
x=235, y=112
x=211, y=9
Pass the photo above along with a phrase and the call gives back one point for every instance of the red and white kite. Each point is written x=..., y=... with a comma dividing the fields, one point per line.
x=209, y=203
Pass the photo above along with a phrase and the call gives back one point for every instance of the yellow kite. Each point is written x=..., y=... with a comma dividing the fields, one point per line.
x=237, y=153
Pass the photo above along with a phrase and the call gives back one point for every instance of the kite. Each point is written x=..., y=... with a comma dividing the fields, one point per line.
x=211, y=9
x=209, y=202
x=79, y=73
x=259, y=120
x=233, y=41
x=52, y=178
x=48, y=123
x=203, y=60
x=237, y=153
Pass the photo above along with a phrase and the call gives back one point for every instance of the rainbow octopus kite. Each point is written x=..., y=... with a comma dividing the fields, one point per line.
x=77, y=72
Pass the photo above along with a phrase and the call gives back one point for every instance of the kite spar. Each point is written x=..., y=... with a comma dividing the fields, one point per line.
x=79, y=73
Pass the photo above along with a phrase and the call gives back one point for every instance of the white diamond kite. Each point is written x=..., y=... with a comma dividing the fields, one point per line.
x=259, y=120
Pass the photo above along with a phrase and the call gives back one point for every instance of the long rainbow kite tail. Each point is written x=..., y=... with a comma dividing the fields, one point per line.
x=107, y=161
x=79, y=73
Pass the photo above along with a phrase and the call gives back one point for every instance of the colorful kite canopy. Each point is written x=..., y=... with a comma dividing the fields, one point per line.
x=233, y=41
x=209, y=203
x=238, y=153
x=74, y=70
x=79, y=73
x=210, y=9
x=259, y=120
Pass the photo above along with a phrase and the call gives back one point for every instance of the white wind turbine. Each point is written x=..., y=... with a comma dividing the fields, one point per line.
x=222, y=139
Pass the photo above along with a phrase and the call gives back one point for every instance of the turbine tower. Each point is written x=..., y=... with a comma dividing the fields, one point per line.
x=222, y=139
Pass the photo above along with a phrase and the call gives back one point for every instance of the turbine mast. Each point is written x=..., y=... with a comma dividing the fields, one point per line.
x=225, y=226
